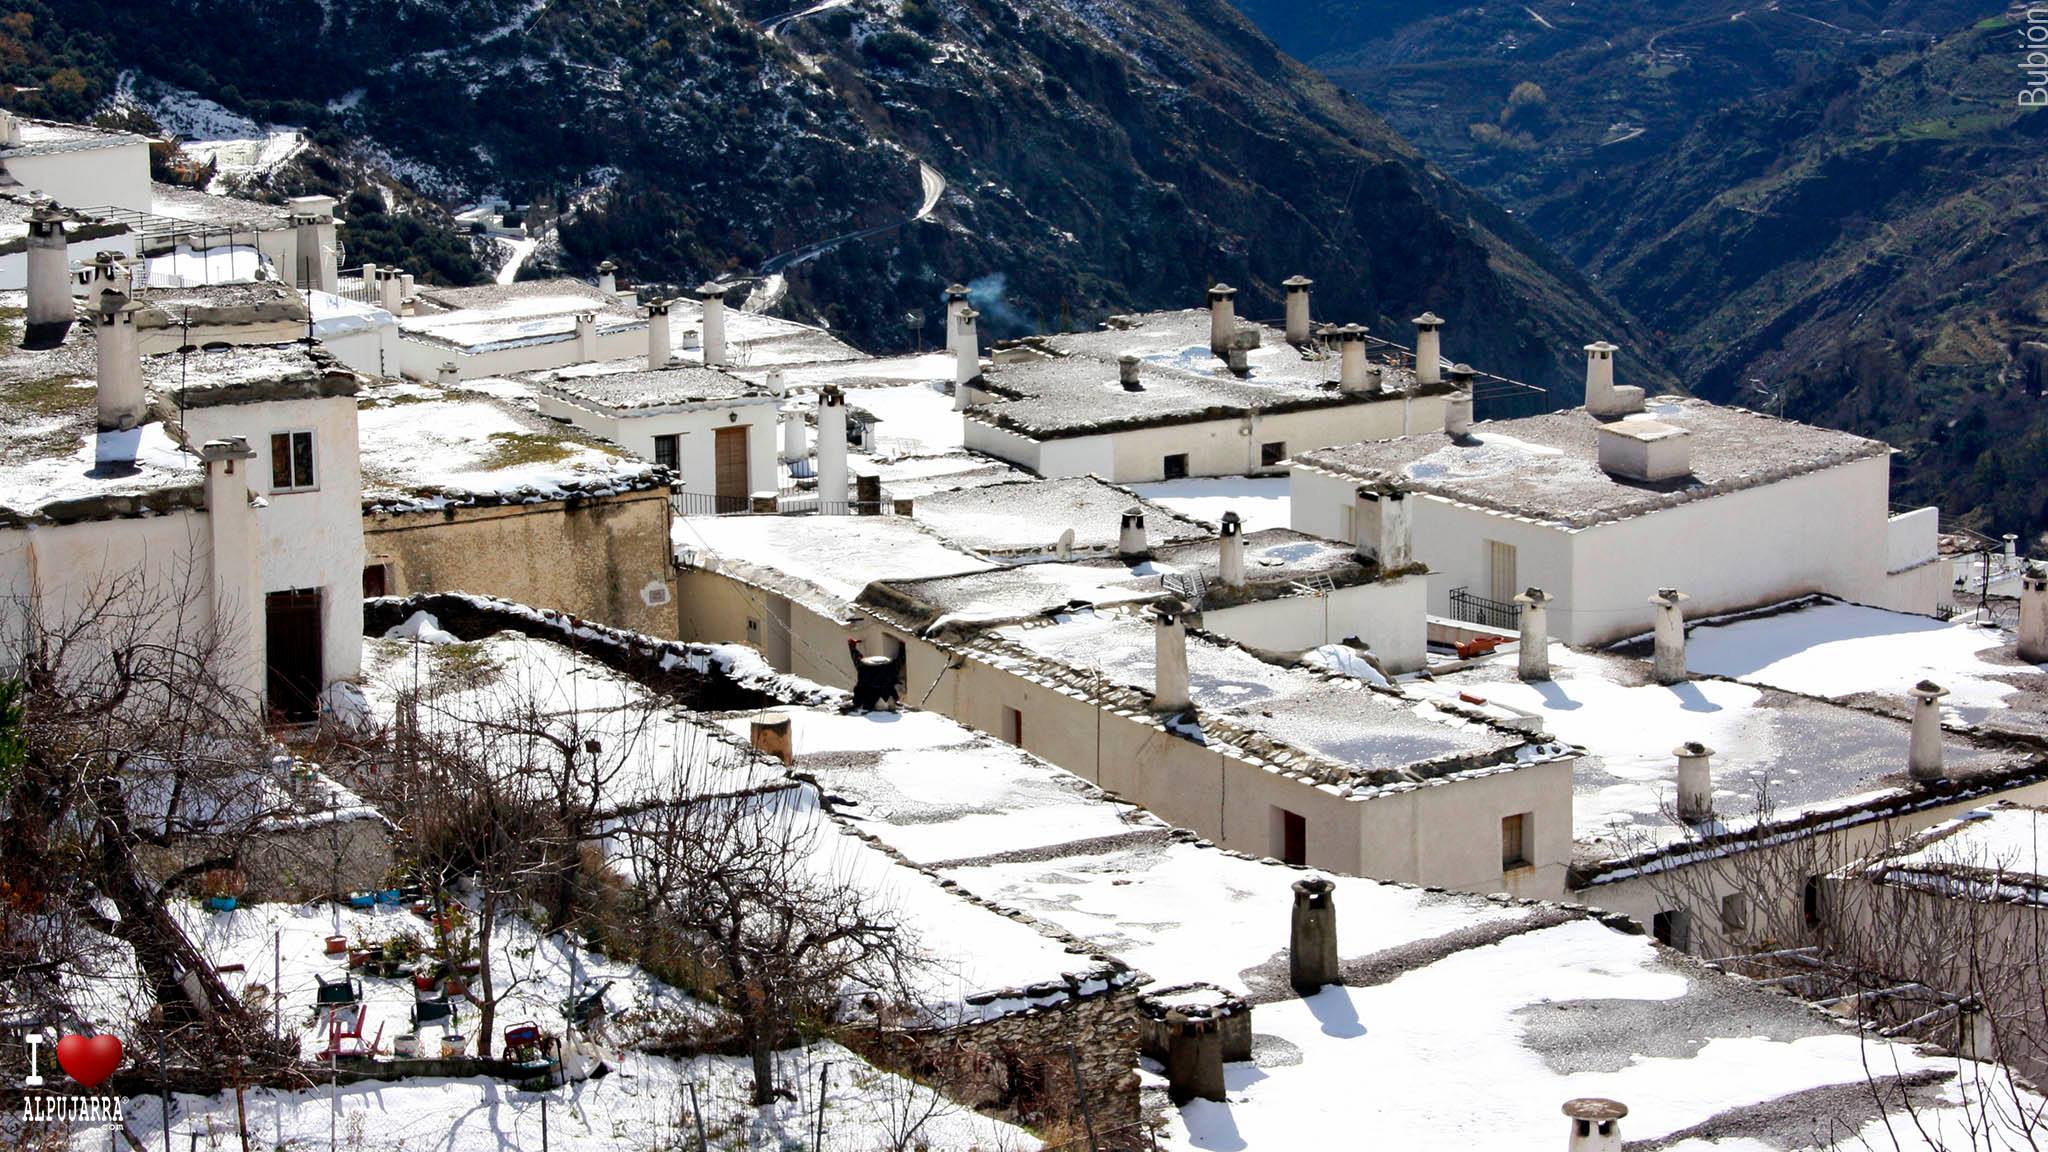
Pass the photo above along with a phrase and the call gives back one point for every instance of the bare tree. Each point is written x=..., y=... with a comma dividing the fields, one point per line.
x=124, y=731
x=745, y=883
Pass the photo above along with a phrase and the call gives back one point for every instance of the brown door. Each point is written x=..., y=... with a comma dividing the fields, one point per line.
x=374, y=582
x=1293, y=838
x=292, y=629
x=731, y=452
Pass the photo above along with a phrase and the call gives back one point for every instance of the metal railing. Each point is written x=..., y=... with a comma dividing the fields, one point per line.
x=1475, y=609
x=790, y=502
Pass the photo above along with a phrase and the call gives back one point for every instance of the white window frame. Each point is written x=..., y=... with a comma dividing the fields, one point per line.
x=312, y=452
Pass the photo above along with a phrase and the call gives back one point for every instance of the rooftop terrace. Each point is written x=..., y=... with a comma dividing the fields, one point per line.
x=1025, y=518
x=630, y=387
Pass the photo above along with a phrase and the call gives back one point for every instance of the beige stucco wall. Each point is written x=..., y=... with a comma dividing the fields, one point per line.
x=604, y=559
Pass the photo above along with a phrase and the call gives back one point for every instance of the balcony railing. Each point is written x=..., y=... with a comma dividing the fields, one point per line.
x=1474, y=609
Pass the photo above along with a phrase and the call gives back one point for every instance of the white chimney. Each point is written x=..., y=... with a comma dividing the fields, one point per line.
x=236, y=574
x=586, y=337
x=1127, y=366
x=1603, y=399
x=776, y=386
x=391, y=290
x=50, y=307
x=1222, y=318
x=713, y=296
x=122, y=404
x=10, y=128
x=449, y=375
x=1667, y=660
x=405, y=292
x=608, y=278
x=2012, y=546
x=1354, y=374
x=1695, y=781
x=371, y=284
x=1230, y=551
x=1429, y=357
x=1130, y=536
x=1646, y=451
x=1297, y=308
x=831, y=449
x=796, y=435
x=1170, y=657
x=2033, y=644
x=109, y=273
x=1923, y=757
x=1458, y=405
x=1380, y=520
x=657, y=335
x=956, y=303
x=1533, y=654
x=312, y=220
x=966, y=357
x=1596, y=1124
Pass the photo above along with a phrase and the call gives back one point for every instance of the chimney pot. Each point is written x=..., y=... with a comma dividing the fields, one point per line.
x=1130, y=536
x=1222, y=318
x=1533, y=653
x=1170, y=657
x=1380, y=520
x=121, y=401
x=795, y=435
x=1596, y=1124
x=832, y=465
x=1458, y=405
x=586, y=336
x=1603, y=399
x=50, y=307
x=713, y=296
x=1127, y=372
x=2033, y=639
x=1230, y=551
x=1429, y=361
x=658, y=349
x=1354, y=373
x=1299, y=328
x=608, y=278
x=773, y=737
x=1923, y=756
x=1667, y=662
x=1312, y=939
x=1194, y=1055
x=966, y=357
x=1695, y=781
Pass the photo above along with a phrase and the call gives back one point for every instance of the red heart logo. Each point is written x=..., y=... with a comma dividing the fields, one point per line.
x=89, y=1059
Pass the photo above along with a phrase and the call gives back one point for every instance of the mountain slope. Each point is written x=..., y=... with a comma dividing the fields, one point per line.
x=1101, y=155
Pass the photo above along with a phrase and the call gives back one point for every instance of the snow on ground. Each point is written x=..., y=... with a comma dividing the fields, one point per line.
x=1836, y=650
x=516, y=253
x=284, y=943
x=1261, y=501
x=928, y=368
x=643, y=1106
x=509, y=323
x=185, y=268
x=210, y=133
x=339, y=316
x=2010, y=839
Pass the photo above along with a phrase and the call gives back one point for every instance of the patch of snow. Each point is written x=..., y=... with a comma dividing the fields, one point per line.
x=1261, y=501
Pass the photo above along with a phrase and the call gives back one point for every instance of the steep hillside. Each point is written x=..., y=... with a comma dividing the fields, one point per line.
x=1099, y=154
x=1866, y=251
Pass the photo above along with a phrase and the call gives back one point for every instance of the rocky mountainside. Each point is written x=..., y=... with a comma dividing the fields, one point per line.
x=1828, y=208
x=1098, y=155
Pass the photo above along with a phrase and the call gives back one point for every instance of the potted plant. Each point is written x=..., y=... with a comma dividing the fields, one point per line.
x=221, y=887
x=358, y=958
x=426, y=978
x=406, y=1045
x=337, y=945
x=452, y=1045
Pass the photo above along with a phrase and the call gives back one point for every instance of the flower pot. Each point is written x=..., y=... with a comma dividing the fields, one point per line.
x=457, y=986
x=425, y=981
x=390, y=896
x=406, y=1045
x=220, y=903
x=362, y=899
x=471, y=967
x=452, y=1045
x=336, y=945
x=358, y=957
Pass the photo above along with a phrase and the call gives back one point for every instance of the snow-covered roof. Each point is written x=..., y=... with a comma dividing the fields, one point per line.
x=1259, y=501
x=1547, y=467
x=1993, y=853
x=338, y=315
x=630, y=388
x=216, y=211
x=248, y=374
x=1794, y=755
x=821, y=561
x=1870, y=656
x=1072, y=387
x=47, y=137
x=430, y=447
x=1358, y=739
x=916, y=477
x=1025, y=518
x=218, y=304
x=48, y=418
x=496, y=316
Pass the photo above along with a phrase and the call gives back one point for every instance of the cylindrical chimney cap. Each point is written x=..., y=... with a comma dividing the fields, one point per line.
x=1232, y=524
x=956, y=291
x=1669, y=597
x=1533, y=597
x=1595, y=1108
x=1297, y=283
x=1692, y=748
x=607, y=266
x=1460, y=375
x=1428, y=321
x=1929, y=690
x=1602, y=348
x=1221, y=291
x=657, y=307
x=711, y=289
x=968, y=316
x=831, y=397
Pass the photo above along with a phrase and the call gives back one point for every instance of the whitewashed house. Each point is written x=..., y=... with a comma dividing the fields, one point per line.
x=1601, y=507
x=714, y=430
x=1163, y=396
x=77, y=165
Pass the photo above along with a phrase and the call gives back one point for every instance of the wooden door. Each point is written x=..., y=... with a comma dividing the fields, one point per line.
x=731, y=457
x=1500, y=565
x=293, y=637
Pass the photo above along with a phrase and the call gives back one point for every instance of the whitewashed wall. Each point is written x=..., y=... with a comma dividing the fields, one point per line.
x=115, y=176
x=1389, y=615
x=697, y=449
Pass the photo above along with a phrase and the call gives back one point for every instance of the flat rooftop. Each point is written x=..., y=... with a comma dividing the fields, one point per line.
x=498, y=316
x=1179, y=340
x=1868, y=656
x=231, y=213
x=917, y=477
x=1472, y=1019
x=247, y=374
x=211, y=305
x=823, y=562
x=47, y=137
x=626, y=387
x=1367, y=739
x=1778, y=755
x=429, y=447
x=1025, y=518
x=48, y=418
x=1547, y=467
